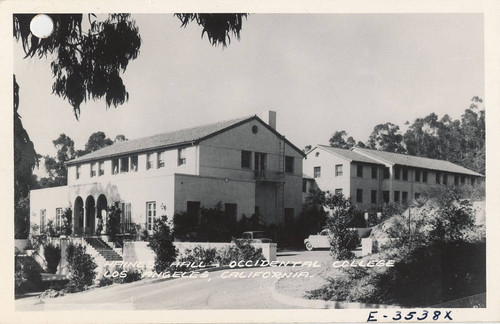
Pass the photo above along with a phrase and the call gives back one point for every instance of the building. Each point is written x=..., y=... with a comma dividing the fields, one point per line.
x=371, y=177
x=243, y=163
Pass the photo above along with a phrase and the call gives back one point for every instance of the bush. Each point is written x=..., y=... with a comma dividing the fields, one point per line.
x=27, y=275
x=199, y=254
x=67, y=228
x=161, y=242
x=52, y=254
x=81, y=268
x=113, y=221
x=241, y=251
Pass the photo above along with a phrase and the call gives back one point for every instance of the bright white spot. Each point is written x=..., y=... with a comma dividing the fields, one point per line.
x=42, y=26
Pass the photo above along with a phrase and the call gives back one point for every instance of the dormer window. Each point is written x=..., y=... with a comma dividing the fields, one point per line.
x=149, y=161
x=78, y=172
x=101, y=168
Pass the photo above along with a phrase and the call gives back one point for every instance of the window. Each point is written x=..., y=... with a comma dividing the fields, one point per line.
x=260, y=161
x=181, y=156
x=133, y=163
x=405, y=196
x=417, y=175
x=246, y=159
x=231, y=211
x=339, y=170
x=424, y=176
x=126, y=216
x=374, y=196
x=43, y=214
x=289, y=161
x=317, y=172
x=78, y=172
x=445, y=179
x=417, y=195
x=149, y=161
x=124, y=167
x=438, y=177
x=160, y=162
x=338, y=191
x=374, y=172
x=150, y=214
x=387, y=173
x=92, y=170
x=396, y=196
x=397, y=172
x=456, y=179
x=359, y=195
x=304, y=185
x=101, y=168
x=405, y=173
x=385, y=195
x=472, y=181
x=114, y=166
x=462, y=180
x=193, y=210
x=59, y=214
x=359, y=170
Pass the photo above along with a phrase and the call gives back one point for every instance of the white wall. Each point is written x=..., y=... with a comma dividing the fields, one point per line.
x=49, y=199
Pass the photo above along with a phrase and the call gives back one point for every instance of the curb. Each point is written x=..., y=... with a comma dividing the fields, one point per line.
x=321, y=304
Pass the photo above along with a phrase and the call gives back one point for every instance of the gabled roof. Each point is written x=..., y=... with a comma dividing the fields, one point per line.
x=413, y=161
x=347, y=154
x=178, y=138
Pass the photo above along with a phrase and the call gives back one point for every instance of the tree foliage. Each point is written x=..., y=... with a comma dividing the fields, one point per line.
x=161, y=242
x=341, y=140
x=97, y=141
x=387, y=137
x=81, y=268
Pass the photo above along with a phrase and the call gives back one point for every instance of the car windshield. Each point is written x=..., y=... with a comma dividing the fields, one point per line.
x=258, y=235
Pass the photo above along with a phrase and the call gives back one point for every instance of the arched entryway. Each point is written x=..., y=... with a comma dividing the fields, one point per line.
x=78, y=216
x=90, y=215
x=102, y=211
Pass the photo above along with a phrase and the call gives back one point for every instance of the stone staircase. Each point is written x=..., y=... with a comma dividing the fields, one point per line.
x=103, y=249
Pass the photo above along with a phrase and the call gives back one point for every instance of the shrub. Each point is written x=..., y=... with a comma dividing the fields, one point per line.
x=161, y=242
x=81, y=267
x=67, y=228
x=113, y=221
x=241, y=251
x=199, y=254
x=27, y=274
x=52, y=254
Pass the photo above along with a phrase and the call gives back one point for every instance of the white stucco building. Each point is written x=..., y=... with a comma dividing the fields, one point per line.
x=243, y=163
x=371, y=177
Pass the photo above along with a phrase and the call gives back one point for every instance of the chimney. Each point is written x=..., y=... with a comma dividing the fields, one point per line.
x=269, y=117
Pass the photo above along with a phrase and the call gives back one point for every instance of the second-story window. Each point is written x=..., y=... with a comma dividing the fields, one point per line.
x=114, y=166
x=445, y=179
x=417, y=175
x=101, y=168
x=405, y=173
x=78, y=172
x=181, y=156
x=424, y=176
x=397, y=172
x=160, y=160
x=149, y=161
x=133, y=163
x=246, y=159
x=317, y=172
x=359, y=170
x=124, y=167
x=93, y=170
x=289, y=160
x=374, y=171
x=339, y=170
x=438, y=177
x=387, y=173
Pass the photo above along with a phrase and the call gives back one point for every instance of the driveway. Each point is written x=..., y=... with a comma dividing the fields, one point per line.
x=241, y=288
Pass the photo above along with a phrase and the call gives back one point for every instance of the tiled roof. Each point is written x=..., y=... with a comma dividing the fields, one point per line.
x=170, y=139
x=414, y=161
x=348, y=154
x=173, y=138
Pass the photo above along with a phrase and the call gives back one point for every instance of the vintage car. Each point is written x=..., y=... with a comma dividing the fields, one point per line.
x=254, y=237
x=319, y=241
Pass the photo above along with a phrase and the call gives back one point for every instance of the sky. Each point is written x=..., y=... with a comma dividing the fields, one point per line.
x=321, y=73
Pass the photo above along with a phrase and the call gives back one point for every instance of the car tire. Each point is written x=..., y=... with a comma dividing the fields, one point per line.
x=309, y=246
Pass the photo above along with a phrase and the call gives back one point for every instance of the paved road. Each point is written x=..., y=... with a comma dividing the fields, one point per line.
x=218, y=291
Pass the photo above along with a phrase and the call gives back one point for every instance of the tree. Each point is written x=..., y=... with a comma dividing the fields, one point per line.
x=340, y=140
x=386, y=137
x=56, y=167
x=81, y=266
x=120, y=138
x=161, y=242
x=97, y=141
